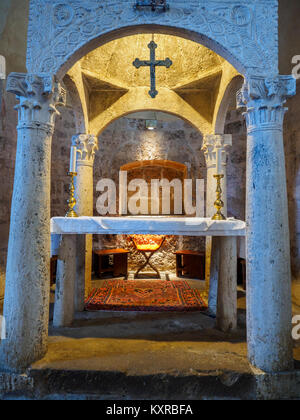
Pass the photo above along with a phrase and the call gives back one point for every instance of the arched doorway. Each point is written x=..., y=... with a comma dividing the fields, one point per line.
x=76, y=31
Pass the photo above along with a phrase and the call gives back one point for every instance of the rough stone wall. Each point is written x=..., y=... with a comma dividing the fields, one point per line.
x=64, y=130
x=292, y=153
x=8, y=142
x=236, y=168
x=13, y=33
x=292, y=150
x=13, y=29
x=289, y=33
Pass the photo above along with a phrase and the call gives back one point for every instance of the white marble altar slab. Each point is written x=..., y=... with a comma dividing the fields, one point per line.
x=160, y=225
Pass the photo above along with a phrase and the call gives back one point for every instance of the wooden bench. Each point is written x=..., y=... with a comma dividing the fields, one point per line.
x=111, y=261
x=190, y=264
x=241, y=272
x=53, y=269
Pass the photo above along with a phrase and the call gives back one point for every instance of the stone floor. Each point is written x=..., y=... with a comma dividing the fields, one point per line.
x=134, y=355
x=142, y=342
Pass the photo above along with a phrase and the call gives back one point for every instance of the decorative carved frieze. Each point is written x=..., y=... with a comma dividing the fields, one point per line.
x=39, y=96
x=212, y=142
x=264, y=100
x=87, y=145
x=244, y=31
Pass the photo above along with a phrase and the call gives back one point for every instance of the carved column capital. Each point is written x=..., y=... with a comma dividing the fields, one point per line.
x=264, y=100
x=212, y=142
x=38, y=95
x=87, y=145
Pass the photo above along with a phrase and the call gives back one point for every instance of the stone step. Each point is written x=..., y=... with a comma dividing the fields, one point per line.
x=99, y=385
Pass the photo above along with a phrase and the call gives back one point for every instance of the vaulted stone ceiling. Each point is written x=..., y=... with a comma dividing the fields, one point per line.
x=109, y=85
x=114, y=60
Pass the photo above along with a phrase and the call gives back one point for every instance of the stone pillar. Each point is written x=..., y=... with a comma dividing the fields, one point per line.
x=269, y=311
x=87, y=145
x=26, y=305
x=210, y=144
x=227, y=284
x=64, y=307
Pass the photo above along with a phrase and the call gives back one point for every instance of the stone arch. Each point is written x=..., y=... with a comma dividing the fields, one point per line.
x=138, y=100
x=160, y=163
x=236, y=32
x=77, y=101
x=149, y=170
x=229, y=94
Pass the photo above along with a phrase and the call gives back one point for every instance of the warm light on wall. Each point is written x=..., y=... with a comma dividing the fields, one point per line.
x=151, y=124
x=148, y=243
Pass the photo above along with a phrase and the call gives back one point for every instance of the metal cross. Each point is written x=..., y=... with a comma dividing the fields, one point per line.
x=154, y=4
x=153, y=63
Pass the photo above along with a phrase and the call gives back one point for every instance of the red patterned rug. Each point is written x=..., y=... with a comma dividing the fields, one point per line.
x=145, y=295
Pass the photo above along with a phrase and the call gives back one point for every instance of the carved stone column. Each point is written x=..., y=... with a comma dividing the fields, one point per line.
x=87, y=145
x=26, y=306
x=269, y=311
x=210, y=143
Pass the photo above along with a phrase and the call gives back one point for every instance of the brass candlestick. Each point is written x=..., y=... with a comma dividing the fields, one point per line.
x=72, y=200
x=219, y=204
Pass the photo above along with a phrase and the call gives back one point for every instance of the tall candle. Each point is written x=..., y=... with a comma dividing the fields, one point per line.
x=123, y=204
x=219, y=161
x=73, y=159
